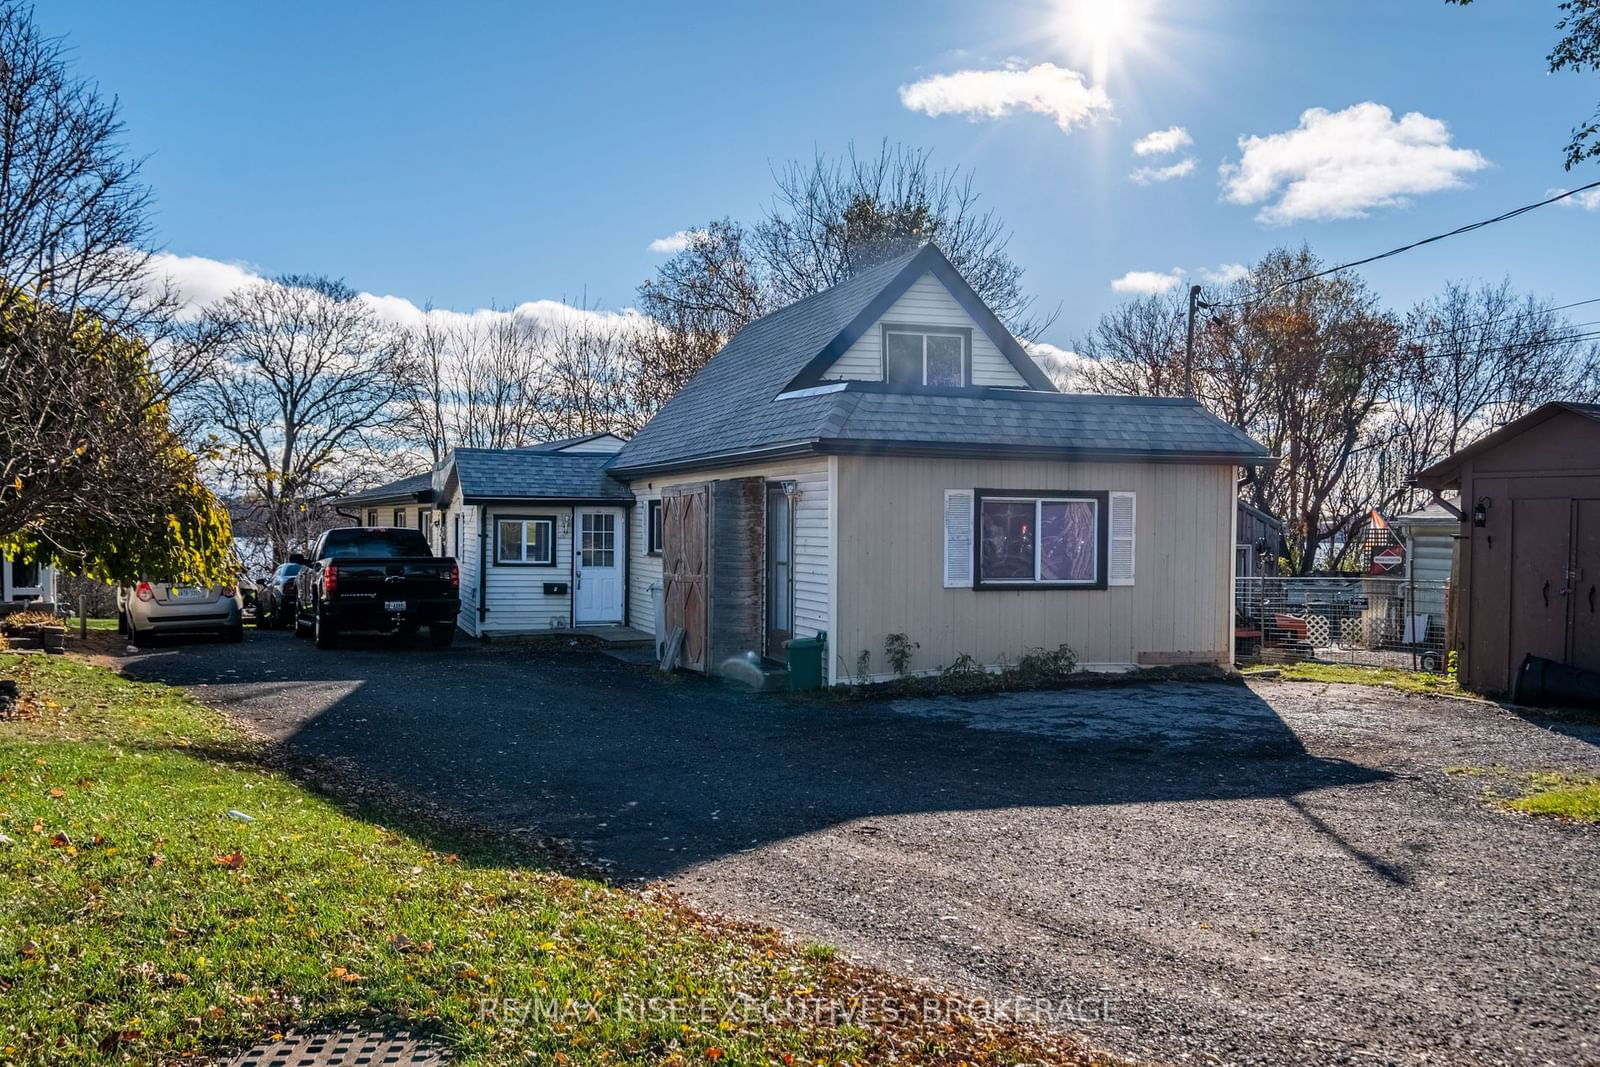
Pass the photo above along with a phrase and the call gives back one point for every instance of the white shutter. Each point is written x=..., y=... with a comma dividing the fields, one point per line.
x=958, y=538
x=1123, y=526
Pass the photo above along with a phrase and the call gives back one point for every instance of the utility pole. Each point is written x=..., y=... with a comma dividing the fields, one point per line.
x=1188, y=348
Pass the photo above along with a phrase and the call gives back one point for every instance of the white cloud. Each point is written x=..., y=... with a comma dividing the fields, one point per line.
x=1149, y=282
x=199, y=281
x=1226, y=274
x=1162, y=142
x=1342, y=164
x=1044, y=88
x=1146, y=282
x=673, y=243
x=1150, y=175
x=1589, y=199
x=1063, y=366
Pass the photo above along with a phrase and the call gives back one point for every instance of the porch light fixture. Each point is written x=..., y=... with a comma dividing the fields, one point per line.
x=791, y=489
x=1480, y=512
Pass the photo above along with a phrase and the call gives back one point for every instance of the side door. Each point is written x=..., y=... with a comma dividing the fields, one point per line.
x=598, y=566
x=1541, y=531
x=780, y=569
x=1586, y=586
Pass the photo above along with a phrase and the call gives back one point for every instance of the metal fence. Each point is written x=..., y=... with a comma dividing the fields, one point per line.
x=1371, y=622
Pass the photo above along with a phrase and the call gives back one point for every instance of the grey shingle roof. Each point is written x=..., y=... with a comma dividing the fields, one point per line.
x=1007, y=420
x=728, y=405
x=406, y=488
x=733, y=406
x=510, y=474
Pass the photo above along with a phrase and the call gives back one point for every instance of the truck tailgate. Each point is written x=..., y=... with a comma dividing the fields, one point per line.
x=394, y=579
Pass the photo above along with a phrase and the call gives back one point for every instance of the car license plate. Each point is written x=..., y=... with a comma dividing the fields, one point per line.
x=394, y=605
x=187, y=594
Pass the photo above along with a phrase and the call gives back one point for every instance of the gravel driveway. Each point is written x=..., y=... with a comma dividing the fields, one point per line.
x=1270, y=875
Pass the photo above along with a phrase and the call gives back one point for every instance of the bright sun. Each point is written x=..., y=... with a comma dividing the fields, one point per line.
x=1105, y=29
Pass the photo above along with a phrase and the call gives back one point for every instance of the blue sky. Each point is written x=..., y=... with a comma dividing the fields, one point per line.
x=470, y=154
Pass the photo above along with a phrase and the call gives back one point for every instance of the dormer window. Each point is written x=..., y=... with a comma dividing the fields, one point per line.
x=927, y=355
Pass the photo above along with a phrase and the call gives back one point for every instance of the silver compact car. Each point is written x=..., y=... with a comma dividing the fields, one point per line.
x=147, y=609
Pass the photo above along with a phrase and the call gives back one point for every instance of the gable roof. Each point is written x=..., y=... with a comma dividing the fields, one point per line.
x=762, y=395
x=567, y=442
x=1440, y=472
x=415, y=487
x=518, y=474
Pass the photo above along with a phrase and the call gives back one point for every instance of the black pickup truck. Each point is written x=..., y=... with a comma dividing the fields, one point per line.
x=376, y=578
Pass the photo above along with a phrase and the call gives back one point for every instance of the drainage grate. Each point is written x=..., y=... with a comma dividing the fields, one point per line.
x=354, y=1046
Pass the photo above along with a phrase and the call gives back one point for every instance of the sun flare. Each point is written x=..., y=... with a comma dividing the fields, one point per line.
x=1104, y=29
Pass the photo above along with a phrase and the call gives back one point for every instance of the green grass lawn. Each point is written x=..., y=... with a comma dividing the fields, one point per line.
x=141, y=920
x=1551, y=793
x=1561, y=795
x=1410, y=681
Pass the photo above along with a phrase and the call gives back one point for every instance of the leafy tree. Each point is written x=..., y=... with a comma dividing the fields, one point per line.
x=1578, y=50
x=92, y=478
x=1300, y=368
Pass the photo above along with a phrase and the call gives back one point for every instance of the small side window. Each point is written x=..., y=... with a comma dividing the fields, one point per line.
x=653, y=527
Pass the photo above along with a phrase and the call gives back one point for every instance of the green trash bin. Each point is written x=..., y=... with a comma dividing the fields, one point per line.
x=805, y=659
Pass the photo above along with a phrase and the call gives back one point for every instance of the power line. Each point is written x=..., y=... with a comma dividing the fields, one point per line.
x=1468, y=228
x=1551, y=342
x=1537, y=313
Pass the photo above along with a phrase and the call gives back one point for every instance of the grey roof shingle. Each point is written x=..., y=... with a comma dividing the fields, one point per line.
x=509, y=474
x=1007, y=420
x=728, y=405
x=406, y=488
x=733, y=405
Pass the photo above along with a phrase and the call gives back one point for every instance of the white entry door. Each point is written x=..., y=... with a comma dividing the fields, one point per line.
x=599, y=556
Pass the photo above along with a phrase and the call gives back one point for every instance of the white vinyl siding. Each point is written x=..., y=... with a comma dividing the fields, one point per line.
x=516, y=596
x=467, y=559
x=606, y=443
x=926, y=303
x=812, y=611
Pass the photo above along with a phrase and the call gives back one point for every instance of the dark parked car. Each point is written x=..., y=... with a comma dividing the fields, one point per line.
x=276, y=597
x=376, y=578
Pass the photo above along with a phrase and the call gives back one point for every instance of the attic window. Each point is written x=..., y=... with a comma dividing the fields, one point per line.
x=926, y=355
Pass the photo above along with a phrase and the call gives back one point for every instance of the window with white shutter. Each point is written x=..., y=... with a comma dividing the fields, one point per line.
x=958, y=538
x=1120, y=542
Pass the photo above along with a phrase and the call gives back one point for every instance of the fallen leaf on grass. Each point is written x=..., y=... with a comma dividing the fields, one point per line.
x=28, y=950
x=109, y=1043
x=56, y=792
x=348, y=977
x=233, y=860
x=155, y=859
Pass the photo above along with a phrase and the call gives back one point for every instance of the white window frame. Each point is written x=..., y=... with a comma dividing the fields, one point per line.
x=1038, y=498
x=960, y=333
x=526, y=522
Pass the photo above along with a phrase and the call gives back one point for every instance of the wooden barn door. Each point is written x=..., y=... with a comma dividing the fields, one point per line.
x=683, y=570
